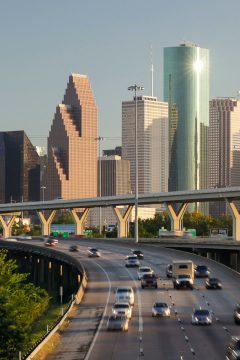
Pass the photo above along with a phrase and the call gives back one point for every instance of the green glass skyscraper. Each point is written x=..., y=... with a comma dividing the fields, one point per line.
x=186, y=88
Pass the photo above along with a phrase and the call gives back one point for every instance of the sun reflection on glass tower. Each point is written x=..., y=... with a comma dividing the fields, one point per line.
x=186, y=88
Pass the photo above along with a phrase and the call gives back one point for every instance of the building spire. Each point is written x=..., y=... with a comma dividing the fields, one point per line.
x=151, y=56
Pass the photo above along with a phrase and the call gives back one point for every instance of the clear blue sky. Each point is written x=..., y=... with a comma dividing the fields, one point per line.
x=43, y=41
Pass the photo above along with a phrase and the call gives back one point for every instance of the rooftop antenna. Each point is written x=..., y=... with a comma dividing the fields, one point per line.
x=151, y=54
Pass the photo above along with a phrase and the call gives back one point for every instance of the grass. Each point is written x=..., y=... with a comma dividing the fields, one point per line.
x=39, y=328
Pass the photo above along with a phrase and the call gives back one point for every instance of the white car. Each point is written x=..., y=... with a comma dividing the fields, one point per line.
x=161, y=309
x=11, y=239
x=93, y=252
x=125, y=294
x=132, y=261
x=122, y=308
x=144, y=270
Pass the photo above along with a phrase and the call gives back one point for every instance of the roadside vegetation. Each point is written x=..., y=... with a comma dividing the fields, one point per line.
x=21, y=306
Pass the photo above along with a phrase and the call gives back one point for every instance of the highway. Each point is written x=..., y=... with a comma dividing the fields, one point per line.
x=149, y=338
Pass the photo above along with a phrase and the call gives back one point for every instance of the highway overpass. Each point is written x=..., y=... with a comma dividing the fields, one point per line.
x=230, y=195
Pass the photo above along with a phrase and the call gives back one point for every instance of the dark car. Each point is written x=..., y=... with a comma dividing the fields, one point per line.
x=202, y=317
x=236, y=314
x=201, y=271
x=73, y=248
x=138, y=253
x=213, y=283
x=149, y=280
x=233, y=349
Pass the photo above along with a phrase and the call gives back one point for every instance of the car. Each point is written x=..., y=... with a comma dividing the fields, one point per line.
x=149, y=280
x=202, y=317
x=11, y=239
x=160, y=309
x=73, y=248
x=118, y=322
x=183, y=282
x=144, y=270
x=125, y=294
x=51, y=238
x=236, y=314
x=50, y=242
x=233, y=349
x=169, y=270
x=24, y=237
x=213, y=283
x=201, y=271
x=122, y=308
x=138, y=253
x=132, y=261
x=93, y=252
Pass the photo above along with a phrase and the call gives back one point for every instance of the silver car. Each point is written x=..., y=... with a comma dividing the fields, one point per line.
x=122, y=308
x=160, y=309
x=202, y=317
x=117, y=322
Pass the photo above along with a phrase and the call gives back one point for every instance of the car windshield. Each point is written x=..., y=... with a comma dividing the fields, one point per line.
x=144, y=269
x=160, y=305
x=137, y=252
x=94, y=250
x=132, y=258
x=121, y=306
x=213, y=280
x=201, y=268
x=183, y=276
x=116, y=318
x=201, y=313
x=123, y=290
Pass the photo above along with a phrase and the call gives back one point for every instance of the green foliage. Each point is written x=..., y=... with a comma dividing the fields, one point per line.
x=65, y=218
x=204, y=224
x=35, y=231
x=21, y=304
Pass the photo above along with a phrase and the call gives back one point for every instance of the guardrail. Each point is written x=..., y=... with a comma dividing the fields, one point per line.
x=44, y=339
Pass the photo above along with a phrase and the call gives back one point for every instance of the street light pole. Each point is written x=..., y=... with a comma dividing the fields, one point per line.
x=99, y=139
x=136, y=88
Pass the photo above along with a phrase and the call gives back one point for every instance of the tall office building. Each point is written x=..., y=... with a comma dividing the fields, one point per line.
x=224, y=147
x=115, y=180
x=19, y=168
x=72, y=146
x=115, y=176
x=186, y=88
x=152, y=124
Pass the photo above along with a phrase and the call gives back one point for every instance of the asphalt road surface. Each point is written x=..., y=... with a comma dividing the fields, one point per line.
x=148, y=338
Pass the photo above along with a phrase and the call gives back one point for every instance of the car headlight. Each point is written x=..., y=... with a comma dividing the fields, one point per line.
x=177, y=281
x=114, y=312
x=237, y=315
x=195, y=319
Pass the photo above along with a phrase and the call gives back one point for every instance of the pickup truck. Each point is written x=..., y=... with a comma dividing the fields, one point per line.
x=149, y=280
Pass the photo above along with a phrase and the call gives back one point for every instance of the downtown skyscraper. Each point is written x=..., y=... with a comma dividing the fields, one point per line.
x=152, y=140
x=186, y=89
x=224, y=148
x=72, y=144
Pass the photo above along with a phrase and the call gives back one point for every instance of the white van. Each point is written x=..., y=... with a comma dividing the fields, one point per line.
x=125, y=294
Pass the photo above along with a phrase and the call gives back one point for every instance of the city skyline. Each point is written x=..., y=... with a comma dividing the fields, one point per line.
x=39, y=53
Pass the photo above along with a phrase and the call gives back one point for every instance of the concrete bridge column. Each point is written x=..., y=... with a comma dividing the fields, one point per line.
x=176, y=217
x=7, y=226
x=79, y=221
x=122, y=221
x=46, y=223
x=236, y=219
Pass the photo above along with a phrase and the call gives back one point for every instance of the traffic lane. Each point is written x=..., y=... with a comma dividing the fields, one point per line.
x=80, y=332
x=162, y=337
x=207, y=341
x=119, y=344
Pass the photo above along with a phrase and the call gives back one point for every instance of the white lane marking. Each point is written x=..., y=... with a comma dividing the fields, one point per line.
x=140, y=319
x=104, y=313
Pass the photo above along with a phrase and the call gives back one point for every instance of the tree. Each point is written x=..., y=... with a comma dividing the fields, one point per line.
x=21, y=304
